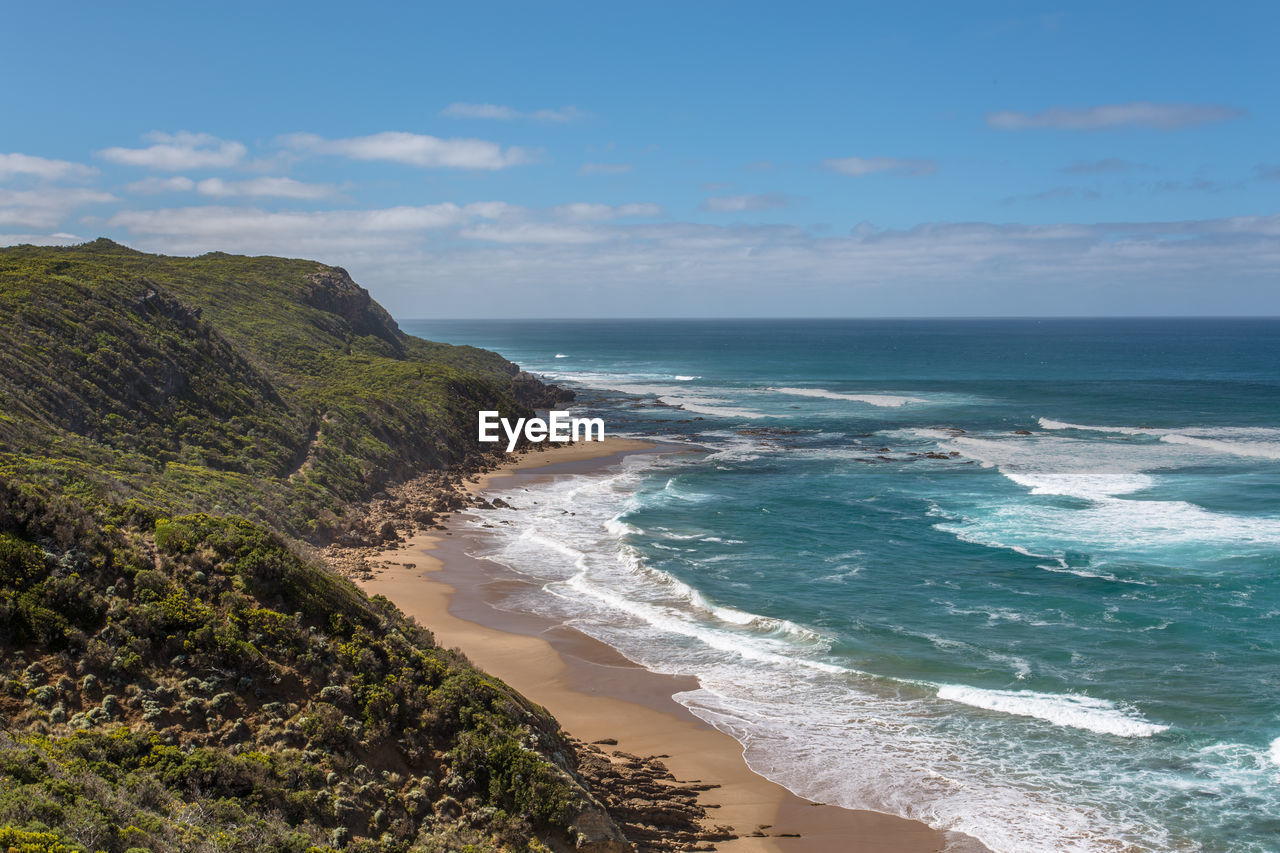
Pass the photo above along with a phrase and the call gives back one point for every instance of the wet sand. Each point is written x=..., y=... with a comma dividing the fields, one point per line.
x=598, y=694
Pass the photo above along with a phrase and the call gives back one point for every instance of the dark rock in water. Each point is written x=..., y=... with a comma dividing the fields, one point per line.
x=499, y=503
x=539, y=395
x=1022, y=432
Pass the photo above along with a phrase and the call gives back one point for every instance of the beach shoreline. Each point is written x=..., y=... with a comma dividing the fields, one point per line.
x=598, y=695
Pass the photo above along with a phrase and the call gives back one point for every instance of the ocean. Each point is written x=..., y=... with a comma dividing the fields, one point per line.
x=1014, y=578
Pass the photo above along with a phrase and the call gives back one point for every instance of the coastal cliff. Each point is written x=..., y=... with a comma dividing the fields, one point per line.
x=181, y=670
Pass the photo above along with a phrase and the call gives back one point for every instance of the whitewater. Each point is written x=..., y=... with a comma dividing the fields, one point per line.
x=1015, y=579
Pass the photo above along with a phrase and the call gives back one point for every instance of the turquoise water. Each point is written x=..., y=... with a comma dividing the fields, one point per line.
x=1019, y=579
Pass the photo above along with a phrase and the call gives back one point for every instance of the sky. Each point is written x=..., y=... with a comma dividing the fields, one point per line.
x=670, y=159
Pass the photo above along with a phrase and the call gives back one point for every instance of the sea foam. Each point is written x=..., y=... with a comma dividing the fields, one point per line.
x=641, y=385
x=713, y=406
x=1062, y=466
x=881, y=400
x=1254, y=442
x=775, y=685
x=1078, y=712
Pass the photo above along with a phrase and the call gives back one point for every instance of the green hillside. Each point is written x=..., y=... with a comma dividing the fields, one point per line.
x=271, y=388
x=178, y=673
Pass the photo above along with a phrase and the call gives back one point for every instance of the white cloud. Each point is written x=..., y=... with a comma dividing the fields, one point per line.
x=312, y=233
x=265, y=188
x=535, y=232
x=201, y=225
x=586, y=212
x=46, y=208
x=492, y=210
x=60, y=238
x=936, y=269
x=584, y=259
x=740, y=203
x=604, y=168
x=43, y=168
x=1137, y=114
x=330, y=235
x=416, y=149
x=173, y=152
x=859, y=166
x=501, y=113
x=561, y=115
x=153, y=185
x=489, y=111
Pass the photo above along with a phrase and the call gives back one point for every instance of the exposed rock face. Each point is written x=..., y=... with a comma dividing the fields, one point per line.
x=597, y=833
x=655, y=810
x=333, y=290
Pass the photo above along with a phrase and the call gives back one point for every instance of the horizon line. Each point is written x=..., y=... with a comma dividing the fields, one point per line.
x=966, y=317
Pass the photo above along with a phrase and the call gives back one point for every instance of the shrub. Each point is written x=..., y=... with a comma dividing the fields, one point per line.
x=22, y=564
x=15, y=840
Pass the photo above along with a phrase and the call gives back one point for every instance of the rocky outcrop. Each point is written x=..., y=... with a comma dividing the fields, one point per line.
x=597, y=833
x=657, y=812
x=536, y=394
x=331, y=289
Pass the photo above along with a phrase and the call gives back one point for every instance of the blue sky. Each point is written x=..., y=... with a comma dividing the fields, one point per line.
x=668, y=159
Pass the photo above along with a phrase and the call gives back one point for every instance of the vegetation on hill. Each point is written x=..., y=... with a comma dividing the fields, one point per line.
x=270, y=388
x=178, y=673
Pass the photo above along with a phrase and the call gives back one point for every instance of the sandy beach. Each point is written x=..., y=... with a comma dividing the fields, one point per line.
x=597, y=694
